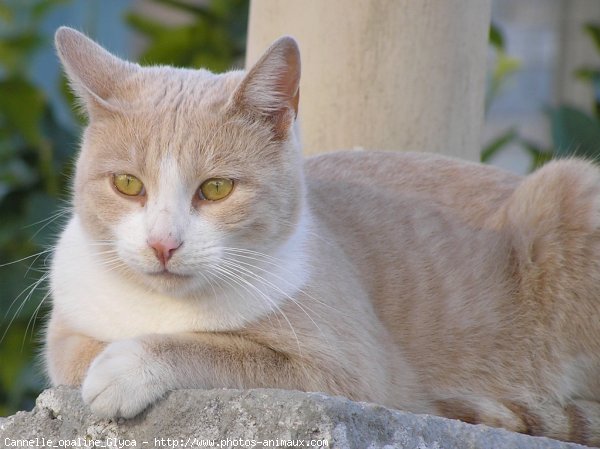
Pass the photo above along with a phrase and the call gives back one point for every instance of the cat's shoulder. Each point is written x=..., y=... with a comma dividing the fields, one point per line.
x=385, y=165
x=471, y=189
x=406, y=171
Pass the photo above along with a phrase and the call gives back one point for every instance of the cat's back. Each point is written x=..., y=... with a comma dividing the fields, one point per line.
x=474, y=191
x=404, y=219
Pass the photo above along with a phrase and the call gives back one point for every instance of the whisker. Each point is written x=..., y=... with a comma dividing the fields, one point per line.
x=266, y=297
x=25, y=258
x=278, y=265
x=220, y=275
x=49, y=221
x=33, y=318
x=208, y=281
x=268, y=283
x=32, y=285
x=308, y=231
x=31, y=289
x=52, y=217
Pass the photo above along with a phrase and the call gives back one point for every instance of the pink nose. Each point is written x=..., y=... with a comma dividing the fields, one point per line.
x=164, y=248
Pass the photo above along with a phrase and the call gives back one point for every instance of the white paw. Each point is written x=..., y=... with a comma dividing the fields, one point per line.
x=122, y=381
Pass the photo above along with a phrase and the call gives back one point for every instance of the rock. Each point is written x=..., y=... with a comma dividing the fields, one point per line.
x=237, y=419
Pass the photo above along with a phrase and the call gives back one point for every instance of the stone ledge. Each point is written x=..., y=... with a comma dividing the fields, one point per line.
x=216, y=415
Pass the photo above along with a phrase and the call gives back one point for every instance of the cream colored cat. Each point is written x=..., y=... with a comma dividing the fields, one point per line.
x=204, y=252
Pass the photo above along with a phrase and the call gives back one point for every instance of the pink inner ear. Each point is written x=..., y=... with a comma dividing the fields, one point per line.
x=295, y=102
x=288, y=84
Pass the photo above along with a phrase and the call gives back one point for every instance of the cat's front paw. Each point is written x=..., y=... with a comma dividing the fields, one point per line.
x=123, y=380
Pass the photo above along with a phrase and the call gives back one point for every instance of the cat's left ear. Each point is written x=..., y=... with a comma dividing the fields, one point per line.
x=271, y=87
x=96, y=76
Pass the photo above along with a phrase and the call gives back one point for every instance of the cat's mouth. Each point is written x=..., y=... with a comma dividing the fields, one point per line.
x=170, y=282
x=169, y=275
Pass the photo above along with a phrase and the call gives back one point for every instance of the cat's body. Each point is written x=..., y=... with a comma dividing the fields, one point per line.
x=414, y=281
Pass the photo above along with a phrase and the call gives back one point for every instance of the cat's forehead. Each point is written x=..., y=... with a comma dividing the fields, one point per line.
x=179, y=115
x=166, y=90
x=169, y=103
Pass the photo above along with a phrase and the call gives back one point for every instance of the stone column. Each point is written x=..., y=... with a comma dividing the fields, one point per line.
x=402, y=75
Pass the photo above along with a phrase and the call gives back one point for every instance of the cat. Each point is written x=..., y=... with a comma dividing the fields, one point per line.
x=204, y=252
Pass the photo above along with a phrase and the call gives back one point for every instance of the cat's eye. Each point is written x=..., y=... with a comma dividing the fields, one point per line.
x=128, y=185
x=215, y=189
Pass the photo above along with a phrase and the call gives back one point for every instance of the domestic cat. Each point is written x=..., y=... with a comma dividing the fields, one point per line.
x=204, y=252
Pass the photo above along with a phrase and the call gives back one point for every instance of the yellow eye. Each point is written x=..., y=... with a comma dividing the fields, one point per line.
x=128, y=185
x=215, y=189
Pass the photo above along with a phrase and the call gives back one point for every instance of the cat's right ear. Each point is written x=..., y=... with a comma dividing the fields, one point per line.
x=94, y=73
x=271, y=88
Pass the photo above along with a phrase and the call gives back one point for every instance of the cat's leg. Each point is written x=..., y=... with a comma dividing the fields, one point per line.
x=577, y=421
x=68, y=354
x=132, y=374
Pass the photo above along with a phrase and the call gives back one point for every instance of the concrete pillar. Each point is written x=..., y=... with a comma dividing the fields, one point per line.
x=384, y=74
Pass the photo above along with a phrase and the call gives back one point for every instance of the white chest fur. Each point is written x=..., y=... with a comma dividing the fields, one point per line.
x=99, y=302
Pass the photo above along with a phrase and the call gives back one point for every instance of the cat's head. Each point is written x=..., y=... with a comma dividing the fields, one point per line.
x=180, y=168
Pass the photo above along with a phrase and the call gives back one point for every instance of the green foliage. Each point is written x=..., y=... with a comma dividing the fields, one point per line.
x=33, y=157
x=498, y=143
x=214, y=38
x=574, y=132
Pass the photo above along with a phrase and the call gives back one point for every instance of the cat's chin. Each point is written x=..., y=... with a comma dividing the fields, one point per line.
x=170, y=282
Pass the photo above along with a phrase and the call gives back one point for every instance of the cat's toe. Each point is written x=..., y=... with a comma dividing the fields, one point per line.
x=122, y=381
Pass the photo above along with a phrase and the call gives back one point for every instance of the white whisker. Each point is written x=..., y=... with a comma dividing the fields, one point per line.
x=31, y=289
x=234, y=276
x=239, y=253
x=232, y=265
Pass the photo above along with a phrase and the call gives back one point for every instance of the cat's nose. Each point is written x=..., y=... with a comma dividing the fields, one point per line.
x=164, y=248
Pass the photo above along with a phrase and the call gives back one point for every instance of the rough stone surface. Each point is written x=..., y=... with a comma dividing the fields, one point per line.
x=194, y=418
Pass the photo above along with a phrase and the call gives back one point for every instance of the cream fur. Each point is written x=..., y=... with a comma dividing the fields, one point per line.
x=411, y=280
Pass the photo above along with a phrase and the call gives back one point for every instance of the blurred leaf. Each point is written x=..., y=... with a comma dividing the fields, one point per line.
x=496, y=37
x=188, y=7
x=6, y=14
x=213, y=39
x=587, y=74
x=17, y=355
x=505, y=66
x=575, y=133
x=593, y=30
x=145, y=25
x=16, y=174
x=44, y=6
x=21, y=106
x=41, y=208
x=539, y=155
x=15, y=51
x=498, y=144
